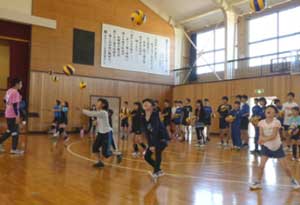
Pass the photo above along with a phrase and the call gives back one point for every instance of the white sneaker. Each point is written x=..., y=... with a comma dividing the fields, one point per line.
x=56, y=134
x=295, y=184
x=2, y=148
x=160, y=173
x=17, y=152
x=116, y=152
x=135, y=154
x=255, y=186
x=153, y=176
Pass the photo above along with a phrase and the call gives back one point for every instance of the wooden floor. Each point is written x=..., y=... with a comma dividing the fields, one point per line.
x=209, y=176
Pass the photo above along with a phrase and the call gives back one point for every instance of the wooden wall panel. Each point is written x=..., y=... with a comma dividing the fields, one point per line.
x=51, y=49
x=273, y=86
x=44, y=92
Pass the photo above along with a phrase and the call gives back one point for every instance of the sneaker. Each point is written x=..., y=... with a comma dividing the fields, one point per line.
x=293, y=159
x=135, y=154
x=2, y=148
x=197, y=145
x=99, y=165
x=119, y=158
x=153, y=176
x=66, y=138
x=17, y=152
x=255, y=152
x=245, y=145
x=160, y=173
x=56, y=134
x=255, y=186
x=116, y=152
x=295, y=184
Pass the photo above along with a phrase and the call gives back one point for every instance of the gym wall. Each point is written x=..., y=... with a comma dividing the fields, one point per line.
x=52, y=48
x=273, y=86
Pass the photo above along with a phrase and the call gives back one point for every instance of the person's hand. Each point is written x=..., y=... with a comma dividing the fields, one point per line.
x=152, y=149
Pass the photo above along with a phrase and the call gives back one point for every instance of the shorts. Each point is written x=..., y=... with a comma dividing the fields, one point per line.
x=124, y=122
x=286, y=127
x=223, y=124
x=103, y=142
x=244, y=123
x=279, y=153
x=207, y=122
x=295, y=137
x=136, y=130
x=177, y=122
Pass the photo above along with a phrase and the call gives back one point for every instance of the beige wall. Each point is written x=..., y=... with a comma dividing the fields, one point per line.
x=4, y=64
x=21, y=6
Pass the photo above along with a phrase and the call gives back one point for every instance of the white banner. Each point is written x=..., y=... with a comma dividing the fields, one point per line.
x=132, y=50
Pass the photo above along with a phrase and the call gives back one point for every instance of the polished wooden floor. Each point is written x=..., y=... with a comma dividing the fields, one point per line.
x=210, y=176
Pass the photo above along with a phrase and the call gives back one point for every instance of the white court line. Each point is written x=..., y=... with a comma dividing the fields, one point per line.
x=166, y=174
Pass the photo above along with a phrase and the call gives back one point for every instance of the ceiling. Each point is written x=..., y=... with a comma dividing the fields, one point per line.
x=196, y=14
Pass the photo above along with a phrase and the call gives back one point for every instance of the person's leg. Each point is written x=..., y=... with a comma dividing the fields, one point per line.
x=208, y=132
x=96, y=151
x=238, y=138
x=233, y=138
x=294, y=148
x=140, y=141
x=149, y=160
x=202, y=138
x=198, y=135
x=9, y=131
x=158, y=159
x=256, y=138
x=227, y=133
x=284, y=165
x=15, y=137
x=262, y=165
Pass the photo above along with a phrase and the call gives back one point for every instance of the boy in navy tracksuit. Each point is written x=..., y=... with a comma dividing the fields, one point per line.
x=245, y=110
x=236, y=126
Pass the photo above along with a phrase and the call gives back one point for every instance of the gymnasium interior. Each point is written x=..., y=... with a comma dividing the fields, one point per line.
x=78, y=51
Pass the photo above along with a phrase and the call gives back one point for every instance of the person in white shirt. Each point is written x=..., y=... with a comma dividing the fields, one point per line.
x=103, y=138
x=271, y=146
x=287, y=109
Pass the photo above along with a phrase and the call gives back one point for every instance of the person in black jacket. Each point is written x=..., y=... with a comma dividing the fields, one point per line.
x=167, y=116
x=137, y=115
x=157, y=137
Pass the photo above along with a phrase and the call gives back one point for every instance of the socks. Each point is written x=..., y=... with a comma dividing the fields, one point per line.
x=143, y=145
x=135, y=148
x=294, y=148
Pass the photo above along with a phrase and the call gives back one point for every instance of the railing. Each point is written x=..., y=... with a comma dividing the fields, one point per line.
x=258, y=66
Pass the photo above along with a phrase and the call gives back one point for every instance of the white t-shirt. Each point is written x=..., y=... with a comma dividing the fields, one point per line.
x=287, y=108
x=103, y=125
x=268, y=130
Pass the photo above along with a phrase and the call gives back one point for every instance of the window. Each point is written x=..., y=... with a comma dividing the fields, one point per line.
x=274, y=35
x=211, y=45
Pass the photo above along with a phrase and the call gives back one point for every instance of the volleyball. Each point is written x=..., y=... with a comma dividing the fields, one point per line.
x=255, y=120
x=54, y=78
x=68, y=70
x=257, y=5
x=138, y=17
x=229, y=118
x=82, y=85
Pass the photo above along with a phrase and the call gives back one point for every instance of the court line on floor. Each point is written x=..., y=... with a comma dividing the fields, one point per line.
x=166, y=174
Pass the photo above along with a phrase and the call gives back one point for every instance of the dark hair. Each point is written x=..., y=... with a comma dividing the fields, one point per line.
x=105, y=104
x=206, y=100
x=139, y=105
x=263, y=99
x=237, y=102
x=291, y=94
x=202, y=111
x=276, y=101
x=244, y=97
x=15, y=81
x=256, y=99
x=179, y=101
x=58, y=102
x=273, y=107
x=149, y=101
x=238, y=96
x=188, y=99
x=66, y=104
x=167, y=101
x=296, y=109
x=225, y=98
x=126, y=102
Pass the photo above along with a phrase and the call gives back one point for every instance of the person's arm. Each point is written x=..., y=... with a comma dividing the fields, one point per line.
x=16, y=109
x=89, y=113
x=246, y=111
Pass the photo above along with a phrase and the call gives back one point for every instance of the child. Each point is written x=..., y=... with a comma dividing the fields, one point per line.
x=256, y=113
x=294, y=122
x=245, y=112
x=167, y=116
x=200, y=123
x=287, y=109
x=208, y=115
x=124, y=120
x=136, y=128
x=271, y=146
x=238, y=98
x=178, y=120
x=223, y=111
x=57, y=116
x=63, y=122
x=157, y=137
x=12, y=114
x=187, y=110
x=103, y=131
x=237, y=114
